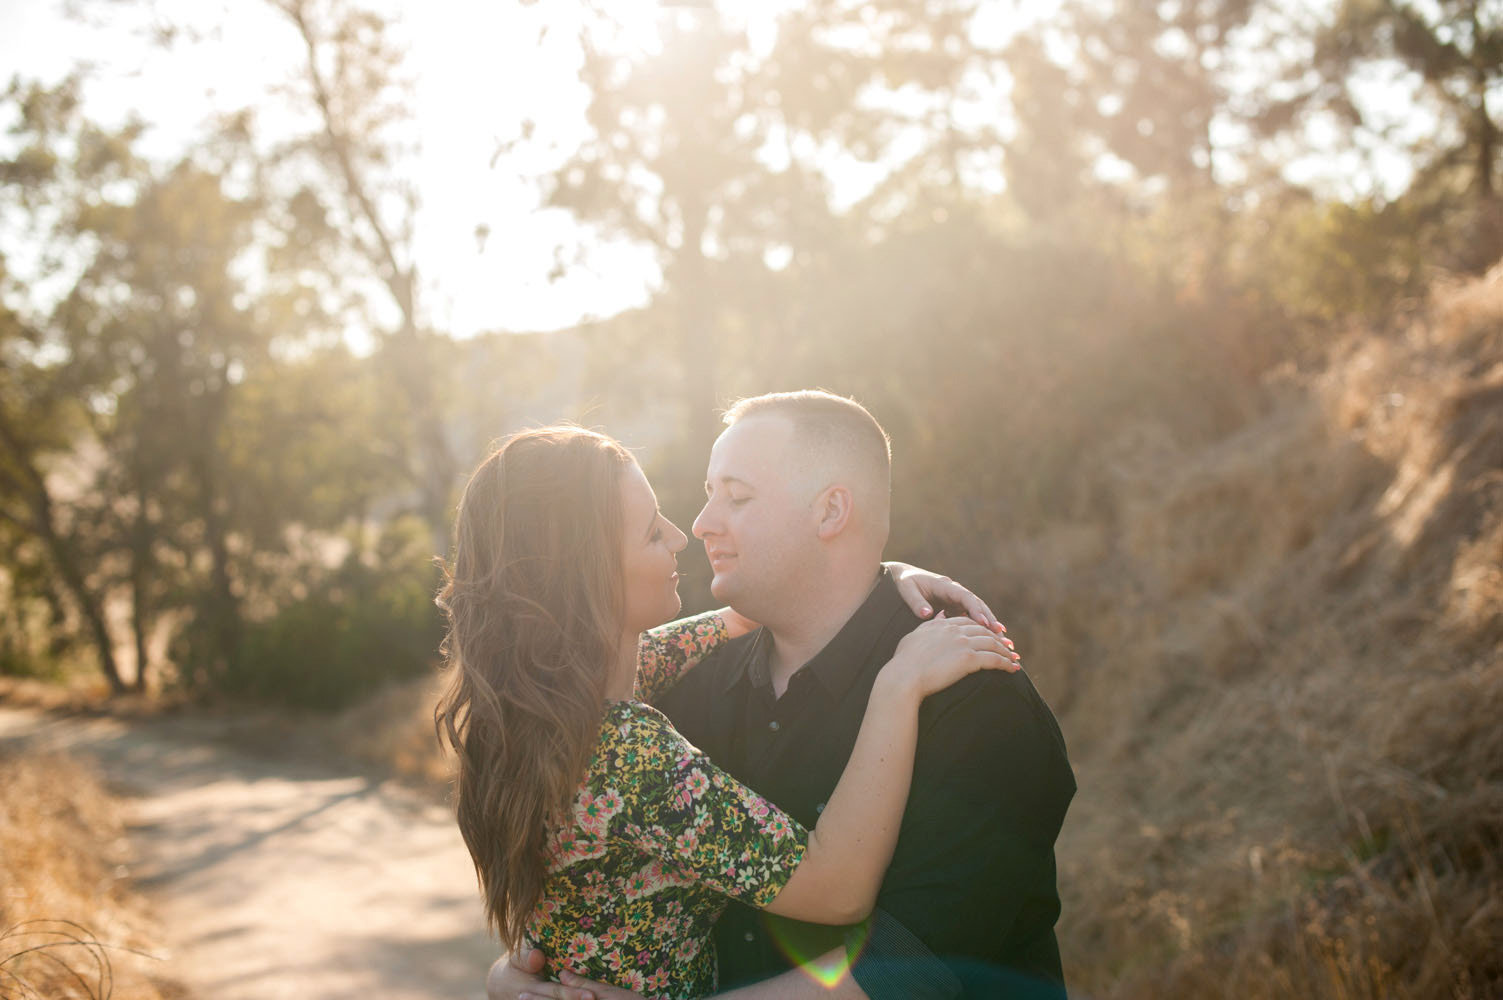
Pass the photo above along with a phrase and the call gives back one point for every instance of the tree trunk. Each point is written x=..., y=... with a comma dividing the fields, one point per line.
x=140, y=562
x=436, y=466
x=77, y=587
x=437, y=469
x=1487, y=132
x=1487, y=149
x=224, y=608
x=43, y=525
x=92, y=610
x=697, y=341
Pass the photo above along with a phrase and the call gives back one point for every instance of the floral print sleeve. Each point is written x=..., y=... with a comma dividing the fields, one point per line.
x=668, y=651
x=702, y=824
x=657, y=841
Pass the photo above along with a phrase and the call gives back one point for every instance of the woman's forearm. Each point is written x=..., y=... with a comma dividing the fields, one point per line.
x=850, y=848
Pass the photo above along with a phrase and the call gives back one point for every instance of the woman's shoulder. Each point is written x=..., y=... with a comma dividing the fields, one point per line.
x=635, y=732
x=639, y=761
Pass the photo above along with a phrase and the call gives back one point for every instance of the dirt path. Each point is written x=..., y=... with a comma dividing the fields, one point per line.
x=278, y=875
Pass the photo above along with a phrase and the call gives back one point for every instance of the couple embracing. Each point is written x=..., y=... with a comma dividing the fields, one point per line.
x=806, y=793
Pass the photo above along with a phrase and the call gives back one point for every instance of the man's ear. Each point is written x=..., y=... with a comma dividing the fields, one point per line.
x=834, y=508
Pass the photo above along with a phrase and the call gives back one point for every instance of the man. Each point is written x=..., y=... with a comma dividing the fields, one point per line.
x=794, y=523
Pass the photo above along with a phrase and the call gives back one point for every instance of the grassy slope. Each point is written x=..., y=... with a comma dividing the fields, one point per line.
x=1287, y=671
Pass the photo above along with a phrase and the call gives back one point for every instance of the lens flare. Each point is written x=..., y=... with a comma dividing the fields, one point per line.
x=827, y=972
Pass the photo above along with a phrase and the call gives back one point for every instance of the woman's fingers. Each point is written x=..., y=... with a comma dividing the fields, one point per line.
x=947, y=591
x=992, y=641
x=976, y=608
x=555, y=991
x=1003, y=642
x=924, y=591
x=519, y=975
x=994, y=657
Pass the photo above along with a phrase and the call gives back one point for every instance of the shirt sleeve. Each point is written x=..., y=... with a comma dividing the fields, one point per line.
x=975, y=860
x=668, y=651
x=701, y=825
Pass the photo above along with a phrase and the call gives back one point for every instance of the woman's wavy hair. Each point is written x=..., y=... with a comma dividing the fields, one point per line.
x=534, y=603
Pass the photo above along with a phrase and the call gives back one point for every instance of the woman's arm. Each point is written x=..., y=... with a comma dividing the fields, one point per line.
x=850, y=847
x=669, y=651
x=689, y=813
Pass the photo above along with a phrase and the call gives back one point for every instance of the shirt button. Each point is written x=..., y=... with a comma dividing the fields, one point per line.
x=774, y=725
x=750, y=936
x=820, y=808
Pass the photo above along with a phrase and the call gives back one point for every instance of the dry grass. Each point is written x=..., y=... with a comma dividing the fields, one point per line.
x=69, y=925
x=395, y=731
x=1286, y=675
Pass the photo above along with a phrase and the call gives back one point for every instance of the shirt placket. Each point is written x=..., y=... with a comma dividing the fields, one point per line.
x=780, y=724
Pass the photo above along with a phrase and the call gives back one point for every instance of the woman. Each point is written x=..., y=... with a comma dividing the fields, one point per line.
x=599, y=834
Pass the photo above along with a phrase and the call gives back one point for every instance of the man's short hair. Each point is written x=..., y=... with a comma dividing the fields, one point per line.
x=833, y=427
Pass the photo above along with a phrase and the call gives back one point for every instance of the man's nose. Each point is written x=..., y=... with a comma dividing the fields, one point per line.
x=702, y=522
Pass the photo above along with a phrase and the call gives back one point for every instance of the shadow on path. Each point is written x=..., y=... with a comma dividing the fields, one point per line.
x=279, y=871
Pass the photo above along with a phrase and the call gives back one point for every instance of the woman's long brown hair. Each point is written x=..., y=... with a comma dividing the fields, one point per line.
x=534, y=605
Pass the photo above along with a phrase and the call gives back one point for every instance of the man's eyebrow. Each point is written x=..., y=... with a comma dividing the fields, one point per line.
x=730, y=479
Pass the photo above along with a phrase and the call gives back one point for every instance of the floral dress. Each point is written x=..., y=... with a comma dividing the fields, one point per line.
x=658, y=839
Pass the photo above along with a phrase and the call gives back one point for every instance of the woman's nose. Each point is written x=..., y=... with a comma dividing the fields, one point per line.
x=676, y=538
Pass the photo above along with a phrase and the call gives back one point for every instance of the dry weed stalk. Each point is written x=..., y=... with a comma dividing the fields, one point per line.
x=61, y=948
x=62, y=851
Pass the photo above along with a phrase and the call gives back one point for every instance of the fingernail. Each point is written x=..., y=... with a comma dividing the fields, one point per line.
x=925, y=612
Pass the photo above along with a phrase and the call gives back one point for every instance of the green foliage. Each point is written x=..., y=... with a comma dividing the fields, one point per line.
x=1333, y=262
x=370, y=622
x=1453, y=51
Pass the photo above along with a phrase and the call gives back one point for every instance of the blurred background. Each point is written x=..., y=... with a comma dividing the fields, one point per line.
x=1183, y=316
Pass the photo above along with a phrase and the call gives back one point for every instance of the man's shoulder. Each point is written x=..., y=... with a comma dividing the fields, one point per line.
x=999, y=701
x=992, y=689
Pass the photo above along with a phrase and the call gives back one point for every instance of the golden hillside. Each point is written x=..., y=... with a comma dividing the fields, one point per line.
x=1285, y=731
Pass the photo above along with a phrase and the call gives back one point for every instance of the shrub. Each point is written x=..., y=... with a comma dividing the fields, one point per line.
x=365, y=625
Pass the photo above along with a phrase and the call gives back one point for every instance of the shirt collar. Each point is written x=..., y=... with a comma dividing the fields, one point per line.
x=841, y=661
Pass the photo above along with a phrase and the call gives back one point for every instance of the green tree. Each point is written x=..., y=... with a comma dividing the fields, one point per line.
x=40, y=414
x=716, y=154
x=1455, y=47
x=363, y=205
x=55, y=399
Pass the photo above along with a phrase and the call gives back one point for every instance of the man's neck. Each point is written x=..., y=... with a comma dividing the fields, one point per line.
x=796, y=642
